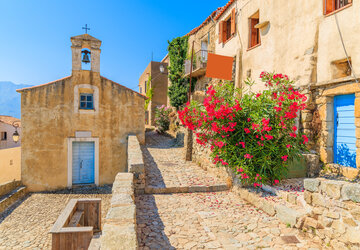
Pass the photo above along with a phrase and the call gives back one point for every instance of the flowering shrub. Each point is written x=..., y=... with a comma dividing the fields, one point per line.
x=162, y=119
x=254, y=135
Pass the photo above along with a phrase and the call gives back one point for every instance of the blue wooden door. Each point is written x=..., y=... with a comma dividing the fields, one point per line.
x=344, y=131
x=83, y=170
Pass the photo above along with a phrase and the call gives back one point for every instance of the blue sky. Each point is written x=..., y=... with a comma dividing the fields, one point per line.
x=35, y=35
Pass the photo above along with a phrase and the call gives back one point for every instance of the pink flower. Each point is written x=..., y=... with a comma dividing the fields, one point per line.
x=305, y=139
x=288, y=146
x=240, y=170
x=269, y=137
x=248, y=119
x=293, y=135
x=276, y=182
x=285, y=157
x=247, y=130
x=294, y=128
x=258, y=95
x=248, y=156
x=242, y=144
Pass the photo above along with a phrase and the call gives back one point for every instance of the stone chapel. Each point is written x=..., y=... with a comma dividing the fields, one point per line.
x=75, y=129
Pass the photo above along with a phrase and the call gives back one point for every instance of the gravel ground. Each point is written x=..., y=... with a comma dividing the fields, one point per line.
x=27, y=223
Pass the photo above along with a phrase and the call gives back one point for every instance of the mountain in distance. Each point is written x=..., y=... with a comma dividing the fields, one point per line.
x=10, y=100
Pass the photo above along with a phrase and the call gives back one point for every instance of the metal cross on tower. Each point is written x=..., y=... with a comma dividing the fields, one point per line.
x=86, y=28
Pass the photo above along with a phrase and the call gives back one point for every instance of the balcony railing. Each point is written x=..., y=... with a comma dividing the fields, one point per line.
x=199, y=63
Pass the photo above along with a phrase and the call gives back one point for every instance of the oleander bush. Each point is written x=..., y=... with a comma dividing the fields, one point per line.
x=162, y=119
x=255, y=133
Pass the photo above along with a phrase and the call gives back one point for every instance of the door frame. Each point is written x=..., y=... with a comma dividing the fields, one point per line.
x=70, y=153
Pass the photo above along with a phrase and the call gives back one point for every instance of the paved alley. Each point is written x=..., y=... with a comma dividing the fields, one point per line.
x=208, y=220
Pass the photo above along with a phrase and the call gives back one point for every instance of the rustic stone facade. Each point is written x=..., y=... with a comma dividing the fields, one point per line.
x=335, y=210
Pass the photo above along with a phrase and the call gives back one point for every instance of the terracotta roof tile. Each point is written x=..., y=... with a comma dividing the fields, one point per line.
x=193, y=31
x=33, y=87
x=9, y=120
x=224, y=9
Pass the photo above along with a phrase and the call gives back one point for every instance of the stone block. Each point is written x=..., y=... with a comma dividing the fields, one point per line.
x=268, y=208
x=292, y=198
x=318, y=210
x=357, y=107
x=286, y=214
x=308, y=197
x=318, y=200
x=121, y=199
x=326, y=154
x=124, y=176
x=332, y=214
x=119, y=237
x=313, y=164
x=332, y=188
x=312, y=223
x=349, y=221
x=326, y=222
x=122, y=215
x=306, y=117
x=357, y=121
x=311, y=185
x=351, y=192
x=338, y=226
x=352, y=235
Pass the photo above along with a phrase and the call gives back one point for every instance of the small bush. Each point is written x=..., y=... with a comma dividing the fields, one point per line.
x=162, y=119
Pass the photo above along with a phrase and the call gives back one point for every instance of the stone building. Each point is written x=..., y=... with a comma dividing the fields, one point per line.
x=203, y=39
x=7, y=130
x=75, y=129
x=159, y=84
x=314, y=43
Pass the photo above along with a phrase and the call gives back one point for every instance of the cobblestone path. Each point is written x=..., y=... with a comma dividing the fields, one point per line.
x=209, y=220
x=27, y=224
x=166, y=167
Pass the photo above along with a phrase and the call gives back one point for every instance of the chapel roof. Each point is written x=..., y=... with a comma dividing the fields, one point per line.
x=9, y=120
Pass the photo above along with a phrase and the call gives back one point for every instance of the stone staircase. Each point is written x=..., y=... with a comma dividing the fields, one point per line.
x=11, y=192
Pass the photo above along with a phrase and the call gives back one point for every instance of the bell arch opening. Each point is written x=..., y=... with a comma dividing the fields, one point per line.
x=85, y=59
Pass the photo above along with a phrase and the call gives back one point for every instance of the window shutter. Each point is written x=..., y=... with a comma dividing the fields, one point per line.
x=233, y=23
x=221, y=31
x=254, y=32
x=329, y=6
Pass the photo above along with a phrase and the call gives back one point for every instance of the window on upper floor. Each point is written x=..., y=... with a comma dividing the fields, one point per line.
x=254, y=33
x=140, y=90
x=145, y=86
x=333, y=5
x=86, y=101
x=3, y=136
x=227, y=28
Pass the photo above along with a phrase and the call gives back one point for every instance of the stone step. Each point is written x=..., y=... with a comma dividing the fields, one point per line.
x=10, y=198
x=186, y=189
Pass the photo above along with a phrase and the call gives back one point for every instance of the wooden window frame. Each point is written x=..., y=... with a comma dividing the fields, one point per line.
x=3, y=136
x=251, y=43
x=86, y=101
x=333, y=6
x=227, y=30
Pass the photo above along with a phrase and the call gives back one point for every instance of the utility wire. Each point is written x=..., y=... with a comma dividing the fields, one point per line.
x=347, y=56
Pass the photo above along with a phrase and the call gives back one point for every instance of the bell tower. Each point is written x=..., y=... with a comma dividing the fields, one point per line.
x=85, y=50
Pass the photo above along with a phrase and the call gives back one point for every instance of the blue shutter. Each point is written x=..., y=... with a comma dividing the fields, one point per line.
x=344, y=130
x=83, y=169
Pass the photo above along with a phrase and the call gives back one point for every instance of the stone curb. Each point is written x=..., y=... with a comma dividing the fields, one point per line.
x=191, y=189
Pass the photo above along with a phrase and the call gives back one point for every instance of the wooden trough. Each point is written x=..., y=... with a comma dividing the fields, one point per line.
x=77, y=223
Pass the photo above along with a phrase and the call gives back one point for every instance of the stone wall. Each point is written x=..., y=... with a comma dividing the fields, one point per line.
x=136, y=164
x=119, y=231
x=10, y=164
x=335, y=214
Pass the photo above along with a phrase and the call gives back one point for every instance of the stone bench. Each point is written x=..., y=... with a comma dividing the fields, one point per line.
x=77, y=223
